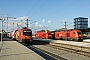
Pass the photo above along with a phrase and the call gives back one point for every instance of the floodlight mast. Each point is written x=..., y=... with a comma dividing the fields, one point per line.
x=7, y=21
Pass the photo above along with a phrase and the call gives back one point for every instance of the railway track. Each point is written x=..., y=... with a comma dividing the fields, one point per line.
x=42, y=51
x=57, y=57
x=84, y=51
x=71, y=50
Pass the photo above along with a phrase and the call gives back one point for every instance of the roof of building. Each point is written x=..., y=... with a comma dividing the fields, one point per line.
x=81, y=18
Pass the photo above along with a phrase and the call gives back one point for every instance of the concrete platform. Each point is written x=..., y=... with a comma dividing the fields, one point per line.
x=87, y=40
x=84, y=44
x=12, y=50
x=73, y=43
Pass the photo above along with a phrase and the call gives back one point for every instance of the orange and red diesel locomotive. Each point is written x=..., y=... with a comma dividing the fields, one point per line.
x=69, y=35
x=43, y=35
x=23, y=35
x=75, y=35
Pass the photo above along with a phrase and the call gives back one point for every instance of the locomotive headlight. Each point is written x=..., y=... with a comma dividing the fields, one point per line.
x=76, y=35
x=26, y=36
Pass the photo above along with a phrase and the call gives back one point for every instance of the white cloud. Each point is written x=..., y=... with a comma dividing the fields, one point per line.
x=43, y=20
x=38, y=25
x=19, y=23
x=21, y=18
x=29, y=25
x=49, y=21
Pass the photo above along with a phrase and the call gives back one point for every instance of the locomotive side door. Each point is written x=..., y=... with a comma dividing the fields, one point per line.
x=68, y=35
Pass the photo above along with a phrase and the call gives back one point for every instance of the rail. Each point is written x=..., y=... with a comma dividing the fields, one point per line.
x=85, y=51
x=50, y=54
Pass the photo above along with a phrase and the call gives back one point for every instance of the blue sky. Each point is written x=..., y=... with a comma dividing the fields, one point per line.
x=49, y=14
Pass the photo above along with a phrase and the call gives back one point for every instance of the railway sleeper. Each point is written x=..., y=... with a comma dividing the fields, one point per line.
x=78, y=48
x=49, y=53
x=84, y=53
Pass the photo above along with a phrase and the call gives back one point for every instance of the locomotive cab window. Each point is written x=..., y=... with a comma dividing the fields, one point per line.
x=79, y=32
x=75, y=33
x=27, y=33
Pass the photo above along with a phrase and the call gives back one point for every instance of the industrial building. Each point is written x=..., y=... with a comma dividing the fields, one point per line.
x=81, y=23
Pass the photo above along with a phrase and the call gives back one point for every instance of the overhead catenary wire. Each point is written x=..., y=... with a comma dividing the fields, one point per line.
x=74, y=10
x=52, y=12
x=63, y=7
x=70, y=10
x=66, y=7
x=33, y=7
x=39, y=8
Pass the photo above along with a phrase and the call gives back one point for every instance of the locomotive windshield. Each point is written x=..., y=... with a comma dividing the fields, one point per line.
x=79, y=32
x=27, y=33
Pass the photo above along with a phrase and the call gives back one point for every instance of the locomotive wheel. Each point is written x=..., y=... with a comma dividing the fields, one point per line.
x=80, y=40
x=27, y=42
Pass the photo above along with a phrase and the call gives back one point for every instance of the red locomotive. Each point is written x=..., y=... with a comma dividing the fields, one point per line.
x=69, y=35
x=23, y=35
x=43, y=35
